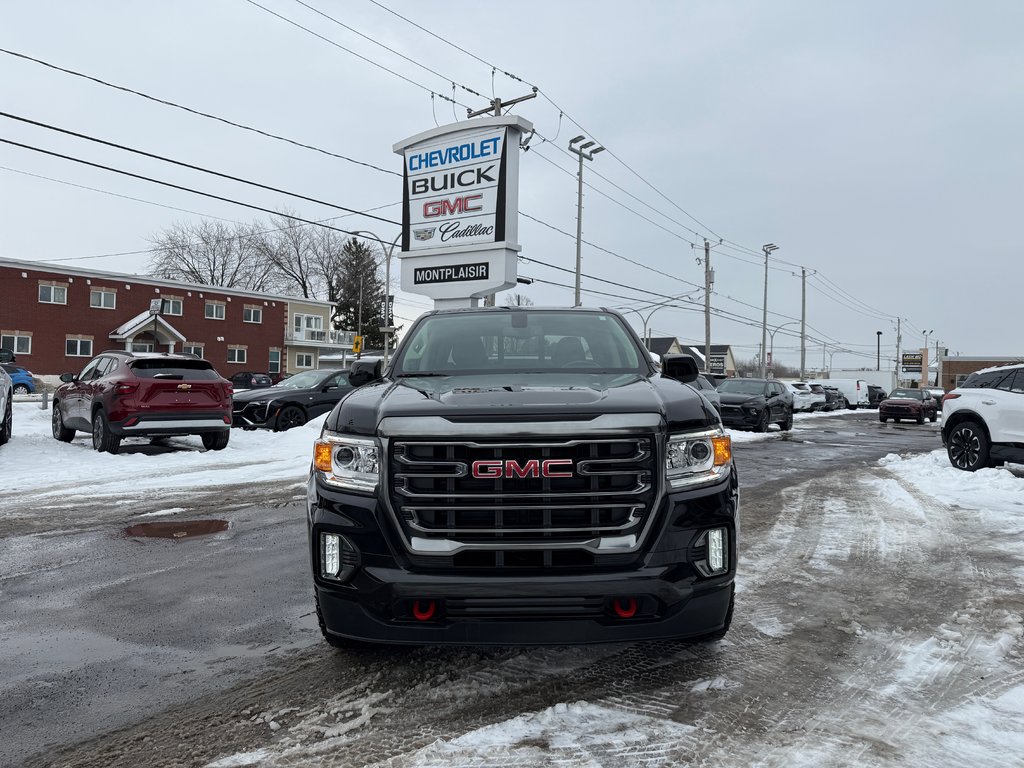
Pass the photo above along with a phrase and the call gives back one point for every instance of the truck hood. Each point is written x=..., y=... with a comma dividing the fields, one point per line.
x=521, y=397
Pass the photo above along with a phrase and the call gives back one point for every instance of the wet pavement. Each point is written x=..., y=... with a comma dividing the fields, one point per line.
x=177, y=639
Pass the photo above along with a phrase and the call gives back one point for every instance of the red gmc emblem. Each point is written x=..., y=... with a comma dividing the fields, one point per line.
x=530, y=468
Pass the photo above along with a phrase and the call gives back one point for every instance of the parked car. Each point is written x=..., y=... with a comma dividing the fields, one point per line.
x=833, y=400
x=7, y=355
x=983, y=419
x=715, y=378
x=294, y=401
x=706, y=388
x=876, y=394
x=250, y=380
x=123, y=394
x=6, y=410
x=21, y=378
x=916, y=404
x=854, y=391
x=755, y=404
x=938, y=393
x=804, y=399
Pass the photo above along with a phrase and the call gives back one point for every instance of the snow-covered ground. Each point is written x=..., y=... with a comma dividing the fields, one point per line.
x=43, y=472
x=879, y=622
x=774, y=431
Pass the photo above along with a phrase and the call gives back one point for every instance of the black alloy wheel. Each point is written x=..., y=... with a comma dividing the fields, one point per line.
x=60, y=432
x=763, y=421
x=103, y=440
x=289, y=417
x=968, y=447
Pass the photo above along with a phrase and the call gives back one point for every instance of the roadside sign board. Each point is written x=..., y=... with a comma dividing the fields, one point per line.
x=911, y=362
x=716, y=364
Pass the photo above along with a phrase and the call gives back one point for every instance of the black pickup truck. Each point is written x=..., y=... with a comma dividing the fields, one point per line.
x=523, y=476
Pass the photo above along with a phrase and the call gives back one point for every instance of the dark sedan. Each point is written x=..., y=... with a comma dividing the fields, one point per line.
x=755, y=404
x=909, y=404
x=293, y=402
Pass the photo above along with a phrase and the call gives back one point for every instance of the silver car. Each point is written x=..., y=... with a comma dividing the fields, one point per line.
x=707, y=389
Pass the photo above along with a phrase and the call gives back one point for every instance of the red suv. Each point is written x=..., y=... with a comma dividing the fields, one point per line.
x=123, y=394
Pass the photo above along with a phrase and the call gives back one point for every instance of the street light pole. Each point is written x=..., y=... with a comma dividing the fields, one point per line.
x=772, y=334
x=389, y=251
x=767, y=248
x=584, y=152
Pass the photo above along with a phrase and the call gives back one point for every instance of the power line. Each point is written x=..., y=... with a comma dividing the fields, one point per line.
x=185, y=189
x=199, y=113
x=353, y=53
x=190, y=166
x=401, y=55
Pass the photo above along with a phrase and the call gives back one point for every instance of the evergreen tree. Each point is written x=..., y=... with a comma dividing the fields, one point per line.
x=360, y=262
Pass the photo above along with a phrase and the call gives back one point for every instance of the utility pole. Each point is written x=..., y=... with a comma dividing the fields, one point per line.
x=803, y=321
x=496, y=105
x=768, y=248
x=899, y=345
x=709, y=280
x=584, y=152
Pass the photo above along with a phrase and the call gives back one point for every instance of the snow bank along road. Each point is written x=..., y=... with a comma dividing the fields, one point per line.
x=878, y=623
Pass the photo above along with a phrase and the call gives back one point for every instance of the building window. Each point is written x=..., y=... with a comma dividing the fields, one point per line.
x=236, y=354
x=172, y=306
x=214, y=310
x=252, y=315
x=274, y=364
x=304, y=360
x=102, y=298
x=309, y=328
x=142, y=346
x=193, y=349
x=78, y=347
x=19, y=343
x=53, y=294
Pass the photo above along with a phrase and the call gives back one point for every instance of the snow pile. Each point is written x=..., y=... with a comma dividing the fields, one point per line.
x=36, y=466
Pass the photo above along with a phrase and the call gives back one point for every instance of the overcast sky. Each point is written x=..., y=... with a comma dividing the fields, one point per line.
x=879, y=144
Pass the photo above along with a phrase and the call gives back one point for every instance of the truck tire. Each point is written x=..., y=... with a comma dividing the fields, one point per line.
x=718, y=634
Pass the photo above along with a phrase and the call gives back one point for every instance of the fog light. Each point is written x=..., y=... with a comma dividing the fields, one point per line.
x=339, y=557
x=716, y=549
x=332, y=554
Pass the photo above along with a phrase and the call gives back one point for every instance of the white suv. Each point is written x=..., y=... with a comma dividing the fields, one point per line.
x=983, y=419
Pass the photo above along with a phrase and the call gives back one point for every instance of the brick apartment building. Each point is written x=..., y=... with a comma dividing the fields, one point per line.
x=955, y=369
x=56, y=318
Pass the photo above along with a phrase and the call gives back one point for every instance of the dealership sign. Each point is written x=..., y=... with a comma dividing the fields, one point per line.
x=912, y=362
x=716, y=364
x=460, y=206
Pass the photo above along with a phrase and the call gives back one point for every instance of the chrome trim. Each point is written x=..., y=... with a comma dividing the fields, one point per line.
x=639, y=488
x=182, y=423
x=434, y=426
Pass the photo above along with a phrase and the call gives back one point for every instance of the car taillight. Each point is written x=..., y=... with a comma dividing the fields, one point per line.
x=229, y=390
x=125, y=387
x=950, y=396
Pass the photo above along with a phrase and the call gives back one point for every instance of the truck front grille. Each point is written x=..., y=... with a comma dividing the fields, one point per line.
x=547, y=493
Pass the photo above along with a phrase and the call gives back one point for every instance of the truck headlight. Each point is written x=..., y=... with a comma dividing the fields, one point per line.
x=344, y=461
x=695, y=458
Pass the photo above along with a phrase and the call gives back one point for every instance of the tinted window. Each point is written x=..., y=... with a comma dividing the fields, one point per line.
x=529, y=340
x=987, y=380
x=157, y=368
x=90, y=369
x=910, y=394
x=743, y=386
x=1014, y=382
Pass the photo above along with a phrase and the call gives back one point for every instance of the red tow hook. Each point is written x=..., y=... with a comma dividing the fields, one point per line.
x=424, y=611
x=625, y=608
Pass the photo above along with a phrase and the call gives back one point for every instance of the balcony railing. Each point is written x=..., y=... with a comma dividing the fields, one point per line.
x=320, y=336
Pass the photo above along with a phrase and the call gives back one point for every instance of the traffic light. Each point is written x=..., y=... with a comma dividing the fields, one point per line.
x=357, y=345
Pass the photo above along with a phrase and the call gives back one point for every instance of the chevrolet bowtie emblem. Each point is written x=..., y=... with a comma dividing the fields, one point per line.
x=184, y=386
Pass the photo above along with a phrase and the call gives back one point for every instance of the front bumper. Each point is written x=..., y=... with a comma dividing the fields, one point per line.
x=252, y=414
x=527, y=606
x=740, y=416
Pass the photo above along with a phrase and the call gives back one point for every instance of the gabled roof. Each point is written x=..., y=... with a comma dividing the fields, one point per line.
x=720, y=349
x=696, y=354
x=661, y=344
x=143, y=322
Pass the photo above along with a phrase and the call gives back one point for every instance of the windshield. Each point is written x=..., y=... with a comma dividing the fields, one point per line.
x=909, y=394
x=519, y=341
x=743, y=386
x=305, y=380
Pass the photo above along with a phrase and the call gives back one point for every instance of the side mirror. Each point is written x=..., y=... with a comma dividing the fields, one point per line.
x=365, y=371
x=680, y=367
x=67, y=378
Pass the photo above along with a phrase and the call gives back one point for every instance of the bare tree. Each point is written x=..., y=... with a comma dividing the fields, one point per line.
x=517, y=300
x=288, y=246
x=212, y=253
